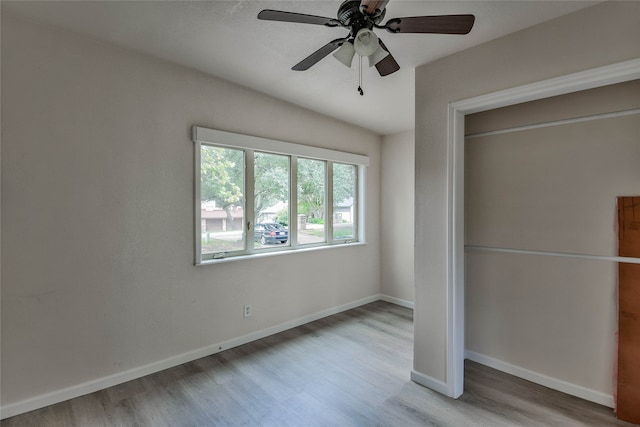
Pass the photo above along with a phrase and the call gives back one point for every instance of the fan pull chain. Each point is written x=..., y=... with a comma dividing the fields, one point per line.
x=360, y=76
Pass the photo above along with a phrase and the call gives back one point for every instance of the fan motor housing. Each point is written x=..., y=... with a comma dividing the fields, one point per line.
x=350, y=16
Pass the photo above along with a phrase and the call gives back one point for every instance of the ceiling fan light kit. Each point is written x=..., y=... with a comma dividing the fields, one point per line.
x=365, y=42
x=377, y=56
x=345, y=53
x=361, y=17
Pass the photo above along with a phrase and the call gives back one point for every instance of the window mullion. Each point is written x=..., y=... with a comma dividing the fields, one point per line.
x=362, y=179
x=293, y=202
x=329, y=202
x=249, y=203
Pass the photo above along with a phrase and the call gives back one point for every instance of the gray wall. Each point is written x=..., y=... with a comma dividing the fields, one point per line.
x=603, y=34
x=397, y=216
x=98, y=221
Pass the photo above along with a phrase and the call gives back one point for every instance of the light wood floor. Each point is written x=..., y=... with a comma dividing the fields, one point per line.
x=350, y=369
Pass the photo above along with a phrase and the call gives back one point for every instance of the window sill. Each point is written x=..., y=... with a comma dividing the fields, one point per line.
x=277, y=253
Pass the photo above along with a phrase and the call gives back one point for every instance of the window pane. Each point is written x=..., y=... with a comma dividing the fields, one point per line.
x=311, y=201
x=221, y=199
x=271, y=196
x=344, y=207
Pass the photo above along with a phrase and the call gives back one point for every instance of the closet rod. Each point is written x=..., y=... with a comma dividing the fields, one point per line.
x=556, y=123
x=629, y=260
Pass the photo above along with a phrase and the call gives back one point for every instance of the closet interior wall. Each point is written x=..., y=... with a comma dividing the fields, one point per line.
x=541, y=181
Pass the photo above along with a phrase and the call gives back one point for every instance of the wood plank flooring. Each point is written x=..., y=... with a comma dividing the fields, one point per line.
x=350, y=369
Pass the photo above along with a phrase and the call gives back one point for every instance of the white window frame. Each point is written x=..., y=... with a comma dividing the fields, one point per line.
x=250, y=144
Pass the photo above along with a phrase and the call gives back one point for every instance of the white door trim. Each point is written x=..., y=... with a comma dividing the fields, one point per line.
x=589, y=79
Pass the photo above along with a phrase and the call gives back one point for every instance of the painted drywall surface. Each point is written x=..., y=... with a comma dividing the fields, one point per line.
x=97, y=214
x=397, y=216
x=550, y=315
x=551, y=189
x=602, y=100
x=600, y=35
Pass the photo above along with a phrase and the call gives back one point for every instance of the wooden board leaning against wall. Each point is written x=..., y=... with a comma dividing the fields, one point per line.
x=628, y=401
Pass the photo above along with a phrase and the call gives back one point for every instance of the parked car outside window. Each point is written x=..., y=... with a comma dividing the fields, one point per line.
x=270, y=233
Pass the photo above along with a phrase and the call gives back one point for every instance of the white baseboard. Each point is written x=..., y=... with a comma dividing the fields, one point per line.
x=58, y=396
x=430, y=382
x=535, y=377
x=397, y=301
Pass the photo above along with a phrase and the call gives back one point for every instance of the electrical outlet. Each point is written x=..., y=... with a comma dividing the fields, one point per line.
x=246, y=310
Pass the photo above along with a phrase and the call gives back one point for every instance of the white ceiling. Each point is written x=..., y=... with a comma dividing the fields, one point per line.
x=225, y=39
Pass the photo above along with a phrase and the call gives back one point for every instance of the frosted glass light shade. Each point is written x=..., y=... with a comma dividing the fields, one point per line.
x=345, y=53
x=365, y=42
x=377, y=56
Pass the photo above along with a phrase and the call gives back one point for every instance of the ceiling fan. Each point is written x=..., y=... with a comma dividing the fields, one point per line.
x=361, y=17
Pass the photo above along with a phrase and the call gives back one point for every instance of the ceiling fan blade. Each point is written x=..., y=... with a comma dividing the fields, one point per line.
x=373, y=7
x=388, y=65
x=442, y=24
x=278, y=15
x=316, y=56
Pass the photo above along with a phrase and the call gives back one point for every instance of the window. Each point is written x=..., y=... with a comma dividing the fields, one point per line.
x=221, y=199
x=256, y=196
x=271, y=199
x=344, y=202
x=311, y=201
